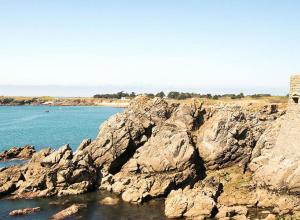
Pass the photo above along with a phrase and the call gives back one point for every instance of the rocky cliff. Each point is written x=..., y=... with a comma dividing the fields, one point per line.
x=207, y=161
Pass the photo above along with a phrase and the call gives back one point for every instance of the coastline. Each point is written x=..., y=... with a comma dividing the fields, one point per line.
x=158, y=127
x=49, y=101
x=123, y=103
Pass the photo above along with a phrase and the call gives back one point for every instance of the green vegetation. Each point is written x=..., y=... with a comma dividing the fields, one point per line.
x=24, y=100
x=160, y=94
x=186, y=95
x=175, y=95
x=118, y=95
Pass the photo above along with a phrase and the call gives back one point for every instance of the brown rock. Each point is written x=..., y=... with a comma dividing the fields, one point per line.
x=229, y=136
x=25, y=211
x=25, y=152
x=199, y=202
x=231, y=212
x=73, y=209
x=51, y=173
x=270, y=217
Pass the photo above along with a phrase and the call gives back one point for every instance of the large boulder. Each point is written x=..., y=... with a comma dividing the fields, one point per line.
x=198, y=202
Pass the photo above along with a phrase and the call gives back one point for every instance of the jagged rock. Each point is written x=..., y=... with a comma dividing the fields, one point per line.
x=9, y=177
x=229, y=136
x=51, y=173
x=84, y=144
x=168, y=157
x=61, y=156
x=199, y=202
x=25, y=152
x=73, y=209
x=25, y=211
x=125, y=132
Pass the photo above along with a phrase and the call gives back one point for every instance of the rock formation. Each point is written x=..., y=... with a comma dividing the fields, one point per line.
x=25, y=152
x=278, y=168
x=207, y=161
x=50, y=173
x=25, y=211
x=68, y=212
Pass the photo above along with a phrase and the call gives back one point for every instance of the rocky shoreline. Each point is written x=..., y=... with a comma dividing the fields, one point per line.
x=21, y=153
x=207, y=161
x=27, y=101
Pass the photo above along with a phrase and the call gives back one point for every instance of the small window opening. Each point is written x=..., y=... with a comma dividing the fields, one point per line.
x=296, y=100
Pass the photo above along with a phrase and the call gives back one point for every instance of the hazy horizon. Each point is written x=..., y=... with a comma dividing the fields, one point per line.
x=89, y=91
x=200, y=46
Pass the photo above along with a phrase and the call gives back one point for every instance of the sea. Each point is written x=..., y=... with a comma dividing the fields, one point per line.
x=54, y=126
x=50, y=126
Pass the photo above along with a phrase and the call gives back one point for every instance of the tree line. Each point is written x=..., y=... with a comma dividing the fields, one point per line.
x=176, y=95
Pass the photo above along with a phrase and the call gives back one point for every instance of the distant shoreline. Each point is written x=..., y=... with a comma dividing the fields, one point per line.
x=123, y=103
x=50, y=101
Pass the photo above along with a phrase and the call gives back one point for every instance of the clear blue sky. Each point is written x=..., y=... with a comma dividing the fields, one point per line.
x=186, y=44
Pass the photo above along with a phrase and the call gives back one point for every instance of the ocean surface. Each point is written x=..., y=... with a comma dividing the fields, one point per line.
x=50, y=126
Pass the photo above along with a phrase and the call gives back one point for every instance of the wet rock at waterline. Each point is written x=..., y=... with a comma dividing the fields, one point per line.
x=26, y=211
x=23, y=153
x=68, y=212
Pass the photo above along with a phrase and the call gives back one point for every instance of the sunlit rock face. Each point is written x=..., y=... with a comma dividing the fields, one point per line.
x=279, y=167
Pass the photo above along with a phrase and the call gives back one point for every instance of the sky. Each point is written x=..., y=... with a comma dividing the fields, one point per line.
x=77, y=48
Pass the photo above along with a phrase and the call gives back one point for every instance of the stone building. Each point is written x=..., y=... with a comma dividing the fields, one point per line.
x=294, y=91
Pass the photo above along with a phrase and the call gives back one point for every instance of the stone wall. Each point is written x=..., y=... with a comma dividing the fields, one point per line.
x=294, y=91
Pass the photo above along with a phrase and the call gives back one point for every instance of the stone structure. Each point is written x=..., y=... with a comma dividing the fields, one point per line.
x=290, y=129
x=294, y=91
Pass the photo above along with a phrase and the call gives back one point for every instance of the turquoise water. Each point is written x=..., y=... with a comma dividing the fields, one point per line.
x=34, y=125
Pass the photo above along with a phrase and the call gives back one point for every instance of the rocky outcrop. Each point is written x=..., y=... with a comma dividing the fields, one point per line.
x=25, y=152
x=197, y=202
x=208, y=161
x=232, y=133
x=148, y=150
x=26, y=211
x=50, y=173
x=68, y=212
x=277, y=167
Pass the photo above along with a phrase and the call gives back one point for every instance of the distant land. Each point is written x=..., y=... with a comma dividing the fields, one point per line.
x=89, y=91
x=122, y=99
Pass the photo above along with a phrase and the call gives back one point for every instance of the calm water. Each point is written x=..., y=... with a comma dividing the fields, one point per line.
x=33, y=125
x=153, y=210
